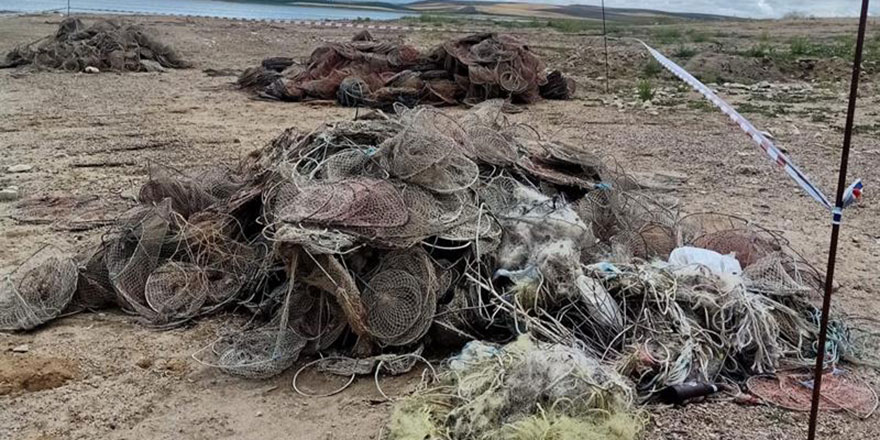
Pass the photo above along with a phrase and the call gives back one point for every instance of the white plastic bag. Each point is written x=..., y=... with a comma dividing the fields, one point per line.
x=717, y=263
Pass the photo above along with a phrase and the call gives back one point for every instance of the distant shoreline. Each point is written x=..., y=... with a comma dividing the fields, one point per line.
x=352, y=6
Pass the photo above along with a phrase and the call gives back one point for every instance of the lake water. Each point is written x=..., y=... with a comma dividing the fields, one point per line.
x=210, y=8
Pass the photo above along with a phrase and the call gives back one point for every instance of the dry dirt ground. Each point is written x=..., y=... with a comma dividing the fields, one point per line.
x=89, y=137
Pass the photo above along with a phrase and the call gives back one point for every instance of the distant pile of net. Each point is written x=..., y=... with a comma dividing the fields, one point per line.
x=105, y=45
x=382, y=236
x=367, y=73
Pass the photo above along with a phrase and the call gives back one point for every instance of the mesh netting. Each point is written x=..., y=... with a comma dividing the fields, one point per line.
x=380, y=74
x=93, y=289
x=134, y=253
x=780, y=274
x=840, y=392
x=422, y=155
x=38, y=290
x=747, y=246
x=264, y=351
x=259, y=353
x=363, y=202
x=630, y=222
x=176, y=291
x=106, y=45
x=401, y=298
x=186, y=196
x=363, y=236
x=323, y=325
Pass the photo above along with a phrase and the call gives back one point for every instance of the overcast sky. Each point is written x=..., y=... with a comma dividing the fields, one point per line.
x=740, y=8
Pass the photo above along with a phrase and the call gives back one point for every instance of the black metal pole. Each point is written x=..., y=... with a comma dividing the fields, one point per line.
x=68, y=8
x=605, y=41
x=835, y=227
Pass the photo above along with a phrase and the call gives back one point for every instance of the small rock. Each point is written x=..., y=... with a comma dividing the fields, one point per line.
x=20, y=168
x=9, y=194
x=91, y=69
x=259, y=414
x=144, y=363
x=747, y=170
x=152, y=66
x=23, y=348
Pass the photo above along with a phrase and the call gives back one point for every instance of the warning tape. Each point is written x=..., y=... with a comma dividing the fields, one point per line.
x=852, y=194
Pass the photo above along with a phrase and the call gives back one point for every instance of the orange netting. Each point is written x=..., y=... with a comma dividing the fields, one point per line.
x=794, y=391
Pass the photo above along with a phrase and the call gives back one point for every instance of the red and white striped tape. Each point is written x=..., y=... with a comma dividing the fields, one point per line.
x=852, y=194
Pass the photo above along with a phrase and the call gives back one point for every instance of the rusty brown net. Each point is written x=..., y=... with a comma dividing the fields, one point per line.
x=369, y=73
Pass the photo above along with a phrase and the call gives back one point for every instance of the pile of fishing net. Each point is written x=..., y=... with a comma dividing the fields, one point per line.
x=366, y=73
x=522, y=390
x=105, y=45
x=373, y=239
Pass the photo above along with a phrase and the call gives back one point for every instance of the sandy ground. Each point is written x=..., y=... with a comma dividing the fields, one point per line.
x=89, y=138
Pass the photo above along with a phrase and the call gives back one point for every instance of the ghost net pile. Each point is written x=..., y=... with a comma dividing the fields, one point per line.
x=369, y=240
x=367, y=73
x=105, y=45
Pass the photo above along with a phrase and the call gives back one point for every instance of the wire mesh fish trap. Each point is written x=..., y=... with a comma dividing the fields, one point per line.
x=746, y=242
x=38, y=290
x=782, y=274
x=401, y=298
x=358, y=202
x=256, y=354
x=93, y=288
x=135, y=251
x=176, y=292
x=629, y=222
x=323, y=327
x=187, y=196
x=211, y=242
x=422, y=155
x=770, y=265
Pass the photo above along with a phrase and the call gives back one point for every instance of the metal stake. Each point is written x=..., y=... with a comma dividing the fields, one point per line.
x=605, y=41
x=835, y=227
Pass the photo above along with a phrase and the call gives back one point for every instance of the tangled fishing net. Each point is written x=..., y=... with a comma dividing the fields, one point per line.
x=106, y=45
x=522, y=390
x=366, y=241
x=367, y=73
